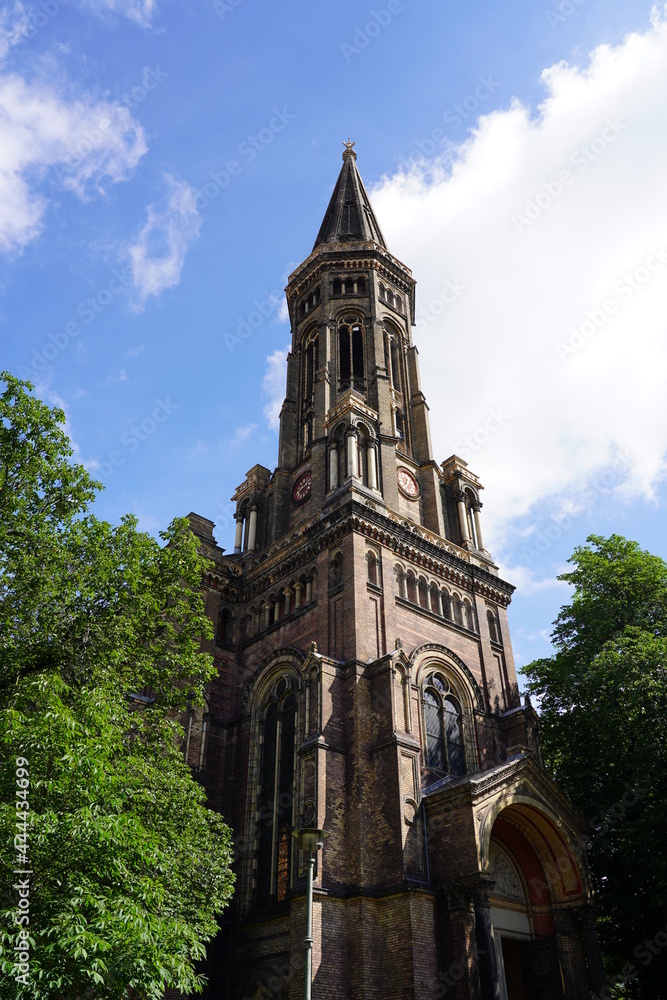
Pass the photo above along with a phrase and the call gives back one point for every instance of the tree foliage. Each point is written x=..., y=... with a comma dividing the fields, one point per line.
x=130, y=869
x=603, y=697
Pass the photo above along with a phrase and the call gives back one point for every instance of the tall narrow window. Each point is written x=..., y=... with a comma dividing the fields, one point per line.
x=344, y=356
x=435, y=745
x=358, y=356
x=276, y=797
x=443, y=727
x=395, y=365
x=454, y=734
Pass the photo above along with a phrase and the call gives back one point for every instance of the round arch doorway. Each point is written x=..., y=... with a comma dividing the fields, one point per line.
x=527, y=957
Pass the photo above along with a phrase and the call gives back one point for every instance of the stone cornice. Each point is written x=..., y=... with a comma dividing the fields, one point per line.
x=414, y=544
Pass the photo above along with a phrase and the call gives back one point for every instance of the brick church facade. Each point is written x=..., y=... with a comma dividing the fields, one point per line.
x=366, y=686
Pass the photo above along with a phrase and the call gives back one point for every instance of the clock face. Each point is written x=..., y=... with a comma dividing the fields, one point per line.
x=407, y=484
x=301, y=490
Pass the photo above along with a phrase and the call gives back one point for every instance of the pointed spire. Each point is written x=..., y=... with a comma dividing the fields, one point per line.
x=350, y=215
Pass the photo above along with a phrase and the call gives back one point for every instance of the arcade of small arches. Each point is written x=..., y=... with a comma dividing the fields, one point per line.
x=435, y=598
x=391, y=298
x=283, y=601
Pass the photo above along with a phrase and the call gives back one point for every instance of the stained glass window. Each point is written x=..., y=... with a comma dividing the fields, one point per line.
x=276, y=797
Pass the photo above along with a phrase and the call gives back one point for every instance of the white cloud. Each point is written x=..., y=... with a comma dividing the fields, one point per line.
x=76, y=143
x=116, y=376
x=273, y=385
x=242, y=435
x=526, y=582
x=139, y=11
x=14, y=26
x=521, y=286
x=158, y=255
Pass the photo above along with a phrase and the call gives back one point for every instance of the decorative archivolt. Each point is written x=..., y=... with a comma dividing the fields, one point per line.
x=433, y=656
x=286, y=660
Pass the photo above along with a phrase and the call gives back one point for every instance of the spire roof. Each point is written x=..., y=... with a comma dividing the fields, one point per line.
x=350, y=215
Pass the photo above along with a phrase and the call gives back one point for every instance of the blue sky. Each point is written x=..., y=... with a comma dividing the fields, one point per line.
x=164, y=165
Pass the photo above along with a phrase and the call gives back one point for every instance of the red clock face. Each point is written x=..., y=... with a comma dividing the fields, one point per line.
x=407, y=484
x=301, y=490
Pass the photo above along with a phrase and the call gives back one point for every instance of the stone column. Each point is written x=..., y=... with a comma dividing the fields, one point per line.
x=333, y=465
x=352, y=460
x=238, y=539
x=309, y=591
x=593, y=953
x=298, y=587
x=276, y=609
x=371, y=456
x=288, y=600
x=463, y=517
x=572, y=949
x=252, y=531
x=267, y=615
x=486, y=946
x=478, y=525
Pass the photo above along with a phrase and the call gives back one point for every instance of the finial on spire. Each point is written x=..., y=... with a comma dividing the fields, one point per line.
x=349, y=149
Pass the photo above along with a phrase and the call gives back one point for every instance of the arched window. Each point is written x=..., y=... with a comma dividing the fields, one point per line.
x=276, y=793
x=443, y=727
x=337, y=286
x=493, y=629
x=400, y=580
x=411, y=587
x=458, y=614
x=373, y=568
x=395, y=364
x=336, y=570
x=223, y=625
x=309, y=367
x=446, y=604
x=351, y=354
x=469, y=616
x=344, y=366
x=423, y=593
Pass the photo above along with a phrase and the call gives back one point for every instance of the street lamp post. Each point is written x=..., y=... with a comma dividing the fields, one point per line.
x=309, y=840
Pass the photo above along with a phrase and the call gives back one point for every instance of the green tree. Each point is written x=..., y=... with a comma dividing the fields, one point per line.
x=129, y=867
x=603, y=703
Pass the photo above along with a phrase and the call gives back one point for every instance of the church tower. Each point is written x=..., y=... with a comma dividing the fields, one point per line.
x=366, y=686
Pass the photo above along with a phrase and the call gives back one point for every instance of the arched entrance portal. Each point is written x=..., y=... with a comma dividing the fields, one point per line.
x=534, y=872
